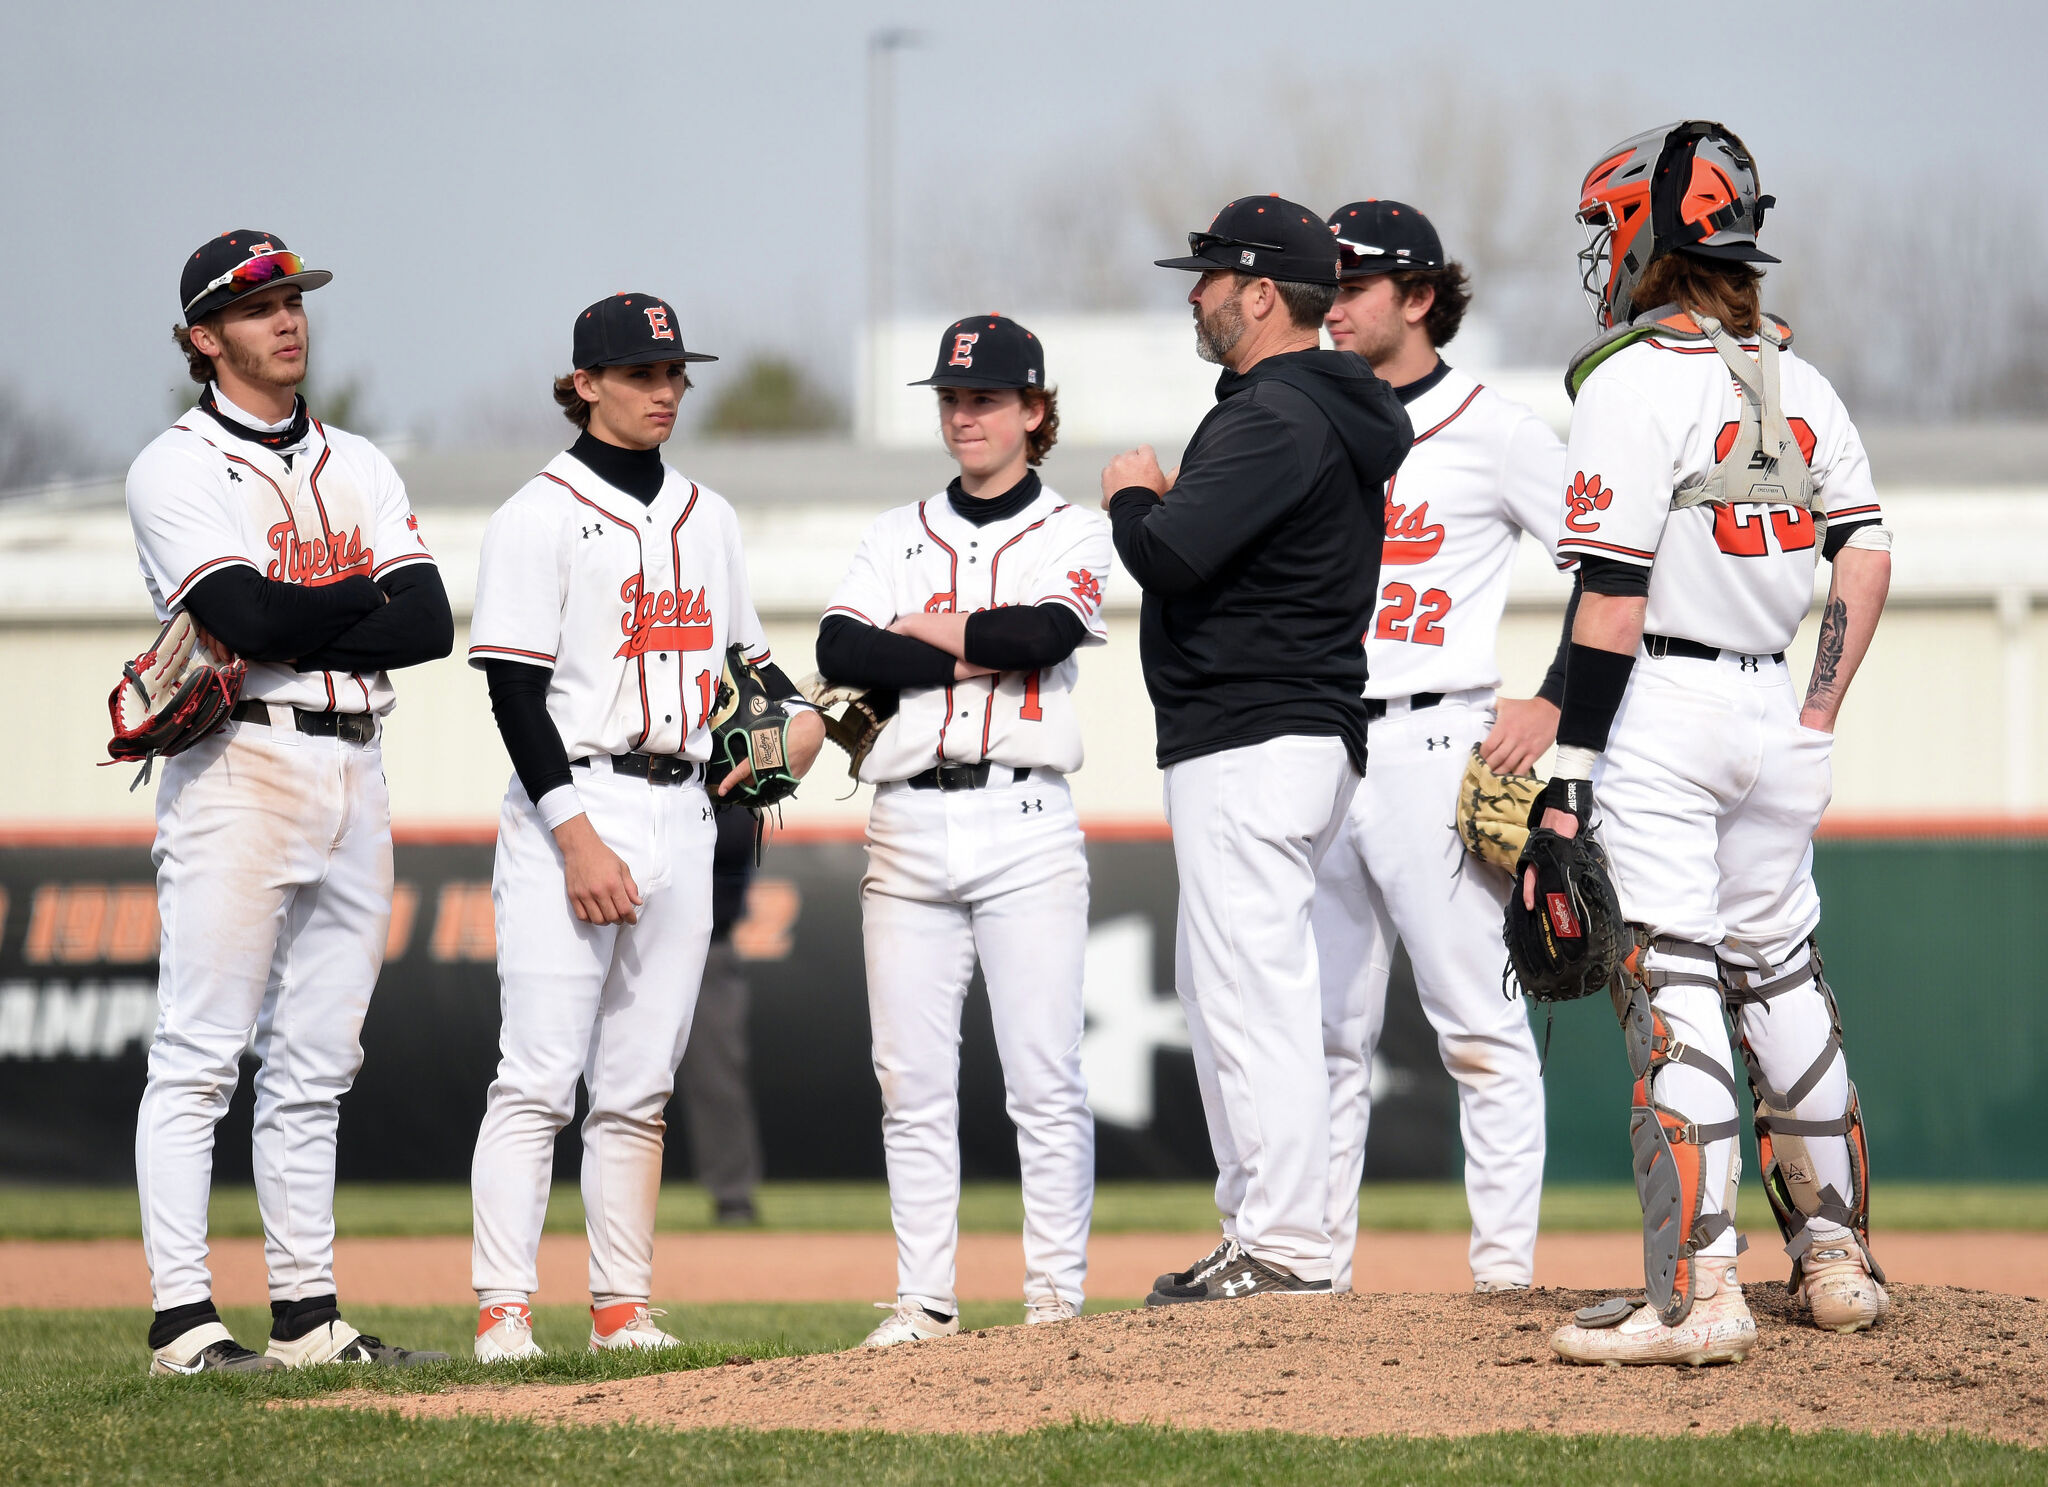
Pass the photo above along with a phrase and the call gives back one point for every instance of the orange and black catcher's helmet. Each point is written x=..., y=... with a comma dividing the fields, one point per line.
x=1688, y=187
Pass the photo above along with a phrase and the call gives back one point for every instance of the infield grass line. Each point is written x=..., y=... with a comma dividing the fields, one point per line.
x=41, y=1211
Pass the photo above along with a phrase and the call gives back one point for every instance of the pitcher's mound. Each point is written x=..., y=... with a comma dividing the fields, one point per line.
x=1945, y=1359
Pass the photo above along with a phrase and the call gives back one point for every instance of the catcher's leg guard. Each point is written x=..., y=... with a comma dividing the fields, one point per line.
x=1799, y=1198
x=1669, y=1150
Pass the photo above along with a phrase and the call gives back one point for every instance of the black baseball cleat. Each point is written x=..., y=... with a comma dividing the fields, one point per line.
x=1201, y=1269
x=208, y=1349
x=1237, y=1277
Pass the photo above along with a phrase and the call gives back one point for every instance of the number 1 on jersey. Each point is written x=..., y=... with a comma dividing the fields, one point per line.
x=1031, y=712
x=705, y=693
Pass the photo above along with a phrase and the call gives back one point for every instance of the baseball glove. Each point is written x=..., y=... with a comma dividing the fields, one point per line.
x=748, y=725
x=866, y=711
x=1570, y=945
x=170, y=696
x=1493, y=811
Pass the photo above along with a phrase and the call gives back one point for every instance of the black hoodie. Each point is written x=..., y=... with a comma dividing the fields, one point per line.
x=1261, y=566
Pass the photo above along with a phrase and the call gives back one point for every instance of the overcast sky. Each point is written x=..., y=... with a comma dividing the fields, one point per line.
x=475, y=173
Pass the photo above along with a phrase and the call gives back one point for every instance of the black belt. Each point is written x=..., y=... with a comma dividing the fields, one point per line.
x=357, y=728
x=1660, y=646
x=1376, y=707
x=963, y=777
x=656, y=769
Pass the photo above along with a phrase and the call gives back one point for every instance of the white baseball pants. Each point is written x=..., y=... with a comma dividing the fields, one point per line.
x=999, y=873
x=1709, y=793
x=610, y=1004
x=273, y=861
x=1250, y=826
x=1398, y=872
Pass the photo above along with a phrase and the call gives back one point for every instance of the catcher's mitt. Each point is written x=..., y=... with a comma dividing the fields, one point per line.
x=748, y=725
x=170, y=697
x=866, y=712
x=1570, y=945
x=1493, y=811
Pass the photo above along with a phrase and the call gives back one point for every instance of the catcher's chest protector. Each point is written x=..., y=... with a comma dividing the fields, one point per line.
x=1764, y=463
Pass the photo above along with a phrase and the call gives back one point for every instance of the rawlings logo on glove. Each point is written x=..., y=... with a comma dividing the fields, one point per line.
x=749, y=727
x=171, y=696
x=1570, y=943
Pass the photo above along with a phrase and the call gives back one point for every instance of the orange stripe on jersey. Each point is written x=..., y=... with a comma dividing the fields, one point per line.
x=1871, y=510
x=639, y=661
x=988, y=704
x=200, y=572
x=1454, y=414
x=953, y=588
x=1613, y=547
x=507, y=650
x=848, y=609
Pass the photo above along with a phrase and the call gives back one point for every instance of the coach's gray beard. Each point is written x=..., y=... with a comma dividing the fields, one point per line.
x=1216, y=336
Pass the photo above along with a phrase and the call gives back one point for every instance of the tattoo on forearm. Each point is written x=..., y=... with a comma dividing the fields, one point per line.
x=1827, y=660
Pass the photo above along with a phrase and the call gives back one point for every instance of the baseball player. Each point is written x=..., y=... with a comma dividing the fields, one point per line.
x=1710, y=470
x=292, y=545
x=608, y=590
x=971, y=605
x=1482, y=471
x=1259, y=559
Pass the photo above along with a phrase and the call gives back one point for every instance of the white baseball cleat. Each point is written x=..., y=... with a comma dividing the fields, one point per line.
x=337, y=1342
x=1838, y=1288
x=1718, y=1329
x=909, y=1322
x=639, y=1331
x=505, y=1334
x=208, y=1348
x=1049, y=1309
x=1495, y=1287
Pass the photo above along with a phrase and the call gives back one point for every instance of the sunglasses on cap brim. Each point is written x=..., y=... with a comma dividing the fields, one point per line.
x=1200, y=242
x=252, y=274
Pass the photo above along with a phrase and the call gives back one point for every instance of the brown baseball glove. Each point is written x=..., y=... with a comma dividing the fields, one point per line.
x=171, y=696
x=863, y=712
x=1493, y=811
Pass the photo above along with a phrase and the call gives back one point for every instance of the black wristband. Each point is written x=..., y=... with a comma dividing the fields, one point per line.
x=1594, y=682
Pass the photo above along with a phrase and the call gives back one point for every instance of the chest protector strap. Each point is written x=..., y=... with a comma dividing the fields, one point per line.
x=1764, y=464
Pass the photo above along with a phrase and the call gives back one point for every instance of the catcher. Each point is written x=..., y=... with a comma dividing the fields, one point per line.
x=969, y=606
x=624, y=657
x=1711, y=470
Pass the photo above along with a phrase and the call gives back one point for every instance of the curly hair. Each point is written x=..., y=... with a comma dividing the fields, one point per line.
x=1453, y=294
x=1039, y=441
x=198, y=365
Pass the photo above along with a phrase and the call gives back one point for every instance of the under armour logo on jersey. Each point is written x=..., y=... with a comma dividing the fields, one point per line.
x=596, y=529
x=963, y=350
x=1239, y=1285
x=1749, y=663
x=1032, y=805
x=1441, y=742
x=657, y=324
x=234, y=475
x=911, y=552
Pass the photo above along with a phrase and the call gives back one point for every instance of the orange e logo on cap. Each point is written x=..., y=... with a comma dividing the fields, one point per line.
x=657, y=324
x=963, y=350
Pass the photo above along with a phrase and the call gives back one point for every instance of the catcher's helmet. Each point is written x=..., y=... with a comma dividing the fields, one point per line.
x=1687, y=187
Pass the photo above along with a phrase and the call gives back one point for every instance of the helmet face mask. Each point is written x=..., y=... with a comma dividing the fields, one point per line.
x=1689, y=186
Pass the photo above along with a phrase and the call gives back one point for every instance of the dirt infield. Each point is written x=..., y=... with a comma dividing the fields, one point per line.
x=1354, y=1365
x=787, y=1266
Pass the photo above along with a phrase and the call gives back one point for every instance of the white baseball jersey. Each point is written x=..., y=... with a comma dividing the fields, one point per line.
x=201, y=499
x=631, y=606
x=925, y=558
x=1482, y=471
x=1654, y=418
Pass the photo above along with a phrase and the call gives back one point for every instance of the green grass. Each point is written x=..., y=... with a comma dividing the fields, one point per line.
x=54, y=1212
x=76, y=1407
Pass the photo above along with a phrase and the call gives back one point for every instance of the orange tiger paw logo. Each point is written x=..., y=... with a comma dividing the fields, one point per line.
x=1584, y=497
x=1087, y=588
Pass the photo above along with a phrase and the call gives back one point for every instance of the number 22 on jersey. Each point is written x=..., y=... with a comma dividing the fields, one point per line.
x=1398, y=608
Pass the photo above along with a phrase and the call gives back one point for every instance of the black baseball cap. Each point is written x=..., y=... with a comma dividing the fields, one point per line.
x=240, y=262
x=1268, y=236
x=990, y=351
x=1384, y=237
x=630, y=330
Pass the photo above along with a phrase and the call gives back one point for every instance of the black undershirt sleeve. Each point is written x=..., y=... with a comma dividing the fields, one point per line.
x=415, y=626
x=1612, y=576
x=519, y=701
x=861, y=655
x=1157, y=567
x=260, y=619
x=1552, y=690
x=1838, y=536
x=779, y=687
x=1023, y=637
